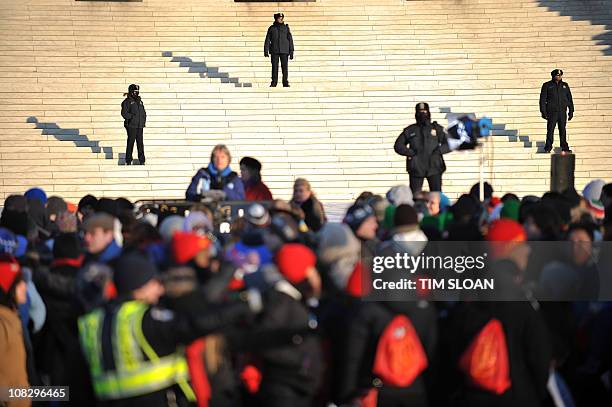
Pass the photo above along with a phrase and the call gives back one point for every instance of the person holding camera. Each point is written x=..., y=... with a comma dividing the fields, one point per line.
x=217, y=176
x=556, y=107
x=279, y=44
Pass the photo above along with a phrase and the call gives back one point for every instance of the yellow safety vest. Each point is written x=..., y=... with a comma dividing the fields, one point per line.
x=133, y=375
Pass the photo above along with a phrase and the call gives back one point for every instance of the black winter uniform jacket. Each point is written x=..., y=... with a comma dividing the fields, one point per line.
x=423, y=147
x=556, y=98
x=134, y=113
x=278, y=40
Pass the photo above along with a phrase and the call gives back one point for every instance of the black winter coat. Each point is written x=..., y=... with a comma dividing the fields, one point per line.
x=57, y=345
x=278, y=40
x=289, y=350
x=556, y=97
x=223, y=379
x=134, y=113
x=362, y=339
x=423, y=147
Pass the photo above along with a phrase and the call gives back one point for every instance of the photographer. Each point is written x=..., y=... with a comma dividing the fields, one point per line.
x=217, y=175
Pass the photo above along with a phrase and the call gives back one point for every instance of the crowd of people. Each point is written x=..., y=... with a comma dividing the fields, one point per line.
x=143, y=310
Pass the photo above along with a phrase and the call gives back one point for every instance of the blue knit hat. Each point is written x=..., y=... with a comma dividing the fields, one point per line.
x=36, y=193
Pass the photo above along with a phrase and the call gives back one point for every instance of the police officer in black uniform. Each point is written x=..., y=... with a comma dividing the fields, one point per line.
x=135, y=115
x=555, y=101
x=279, y=44
x=423, y=144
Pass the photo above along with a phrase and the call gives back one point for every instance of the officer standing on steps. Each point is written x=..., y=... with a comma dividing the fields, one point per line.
x=555, y=100
x=279, y=44
x=423, y=144
x=135, y=116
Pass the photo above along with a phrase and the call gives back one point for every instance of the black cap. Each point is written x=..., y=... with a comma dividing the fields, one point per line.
x=133, y=87
x=133, y=271
x=556, y=72
x=422, y=106
x=277, y=15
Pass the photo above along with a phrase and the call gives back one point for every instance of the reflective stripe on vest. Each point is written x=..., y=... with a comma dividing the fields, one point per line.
x=133, y=376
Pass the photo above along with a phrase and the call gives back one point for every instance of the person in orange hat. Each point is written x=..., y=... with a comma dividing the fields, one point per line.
x=507, y=241
x=296, y=263
x=12, y=350
x=187, y=246
x=194, y=250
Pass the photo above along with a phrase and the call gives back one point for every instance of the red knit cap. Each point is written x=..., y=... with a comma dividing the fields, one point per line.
x=9, y=270
x=185, y=245
x=506, y=230
x=294, y=260
x=506, y=234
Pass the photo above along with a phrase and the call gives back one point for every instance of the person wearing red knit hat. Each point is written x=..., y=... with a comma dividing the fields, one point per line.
x=296, y=263
x=12, y=350
x=507, y=239
x=188, y=245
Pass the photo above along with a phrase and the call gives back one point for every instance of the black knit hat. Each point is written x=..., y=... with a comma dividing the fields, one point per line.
x=466, y=205
x=556, y=72
x=357, y=214
x=277, y=15
x=67, y=246
x=17, y=203
x=133, y=271
x=405, y=215
x=251, y=163
x=107, y=205
x=475, y=190
x=88, y=201
x=133, y=87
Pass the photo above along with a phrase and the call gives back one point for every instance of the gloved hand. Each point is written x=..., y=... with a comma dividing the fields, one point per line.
x=570, y=116
x=266, y=55
x=454, y=144
x=254, y=300
x=544, y=116
x=291, y=56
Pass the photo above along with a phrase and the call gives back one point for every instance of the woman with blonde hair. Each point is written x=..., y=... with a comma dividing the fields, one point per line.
x=217, y=175
x=304, y=197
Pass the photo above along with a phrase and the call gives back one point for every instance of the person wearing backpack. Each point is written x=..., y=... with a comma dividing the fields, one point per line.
x=499, y=351
x=389, y=348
